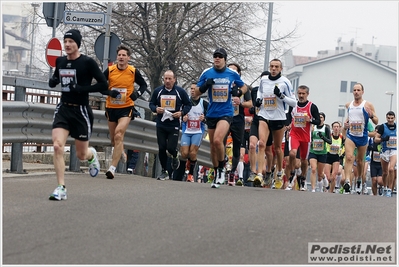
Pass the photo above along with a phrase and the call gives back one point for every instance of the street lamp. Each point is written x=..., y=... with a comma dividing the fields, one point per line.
x=391, y=94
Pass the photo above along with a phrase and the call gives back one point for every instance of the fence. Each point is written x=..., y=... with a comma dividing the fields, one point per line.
x=30, y=123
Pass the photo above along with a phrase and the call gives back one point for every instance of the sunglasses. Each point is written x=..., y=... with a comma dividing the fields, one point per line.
x=218, y=56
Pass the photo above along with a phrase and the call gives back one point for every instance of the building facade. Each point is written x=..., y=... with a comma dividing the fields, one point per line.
x=331, y=80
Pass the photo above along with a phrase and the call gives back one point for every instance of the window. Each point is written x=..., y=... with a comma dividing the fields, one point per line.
x=344, y=85
x=352, y=84
x=341, y=112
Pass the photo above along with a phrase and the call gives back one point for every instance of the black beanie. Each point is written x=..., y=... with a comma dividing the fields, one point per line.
x=74, y=35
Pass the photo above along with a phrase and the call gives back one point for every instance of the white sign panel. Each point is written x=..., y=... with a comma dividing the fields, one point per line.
x=84, y=18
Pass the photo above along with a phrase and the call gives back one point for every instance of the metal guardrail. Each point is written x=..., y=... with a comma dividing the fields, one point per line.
x=27, y=122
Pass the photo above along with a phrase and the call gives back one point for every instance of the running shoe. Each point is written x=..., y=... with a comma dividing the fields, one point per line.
x=240, y=182
x=163, y=176
x=251, y=177
x=302, y=183
x=215, y=185
x=365, y=190
x=60, y=193
x=380, y=190
x=268, y=179
x=388, y=193
x=110, y=173
x=231, y=180
x=130, y=171
x=359, y=187
x=347, y=188
x=289, y=187
x=94, y=164
x=278, y=183
x=384, y=191
x=341, y=190
x=258, y=180
x=190, y=178
x=220, y=178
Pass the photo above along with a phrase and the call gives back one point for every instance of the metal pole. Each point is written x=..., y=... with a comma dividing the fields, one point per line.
x=107, y=36
x=268, y=36
x=54, y=28
x=390, y=105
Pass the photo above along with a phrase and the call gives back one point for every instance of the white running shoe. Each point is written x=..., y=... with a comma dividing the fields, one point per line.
x=221, y=174
x=110, y=173
x=94, y=164
x=60, y=193
x=365, y=190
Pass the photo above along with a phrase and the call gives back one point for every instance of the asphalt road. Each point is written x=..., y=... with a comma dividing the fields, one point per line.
x=139, y=220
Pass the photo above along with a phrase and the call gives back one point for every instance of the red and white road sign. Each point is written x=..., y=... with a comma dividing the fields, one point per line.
x=53, y=50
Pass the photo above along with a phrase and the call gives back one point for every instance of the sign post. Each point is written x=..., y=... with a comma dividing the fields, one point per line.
x=53, y=50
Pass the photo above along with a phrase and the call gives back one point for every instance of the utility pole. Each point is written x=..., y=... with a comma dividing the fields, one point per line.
x=107, y=36
x=268, y=36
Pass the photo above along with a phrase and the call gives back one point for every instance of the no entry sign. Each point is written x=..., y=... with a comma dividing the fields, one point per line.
x=53, y=50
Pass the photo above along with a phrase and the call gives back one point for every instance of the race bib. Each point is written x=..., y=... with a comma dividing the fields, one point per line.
x=300, y=120
x=334, y=149
x=168, y=102
x=247, y=122
x=193, y=125
x=236, y=109
x=220, y=93
x=66, y=77
x=391, y=143
x=270, y=102
x=120, y=99
x=318, y=145
x=356, y=128
x=376, y=156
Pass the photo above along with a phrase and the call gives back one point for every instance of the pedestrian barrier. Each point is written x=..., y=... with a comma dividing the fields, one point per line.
x=28, y=122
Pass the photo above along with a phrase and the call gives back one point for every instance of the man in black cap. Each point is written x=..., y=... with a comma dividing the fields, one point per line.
x=219, y=80
x=73, y=115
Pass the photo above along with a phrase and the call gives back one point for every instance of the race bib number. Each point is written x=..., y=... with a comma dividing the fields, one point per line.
x=334, y=149
x=270, y=102
x=318, y=145
x=193, y=125
x=66, y=77
x=300, y=120
x=391, y=143
x=168, y=102
x=247, y=122
x=220, y=93
x=356, y=128
x=120, y=99
x=236, y=110
x=376, y=156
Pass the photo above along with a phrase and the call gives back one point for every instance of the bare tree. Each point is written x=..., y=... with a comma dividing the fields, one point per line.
x=183, y=36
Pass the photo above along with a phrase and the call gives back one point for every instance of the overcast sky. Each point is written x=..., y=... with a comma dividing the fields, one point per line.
x=322, y=22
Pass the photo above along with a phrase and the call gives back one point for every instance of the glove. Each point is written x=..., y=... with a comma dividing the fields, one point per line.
x=206, y=85
x=251, y=110
x=74, y=88
x=53, y=82
x=386, y=138
x=320, y=135
x=277, y=92
x=258, y=102
x=236, y=92
x=114, y=93
x=135, y=95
